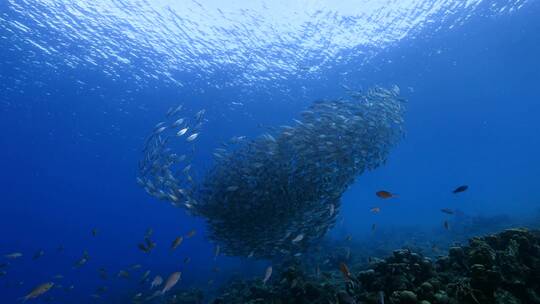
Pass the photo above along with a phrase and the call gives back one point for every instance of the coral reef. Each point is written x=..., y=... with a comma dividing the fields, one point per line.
x=498, y=268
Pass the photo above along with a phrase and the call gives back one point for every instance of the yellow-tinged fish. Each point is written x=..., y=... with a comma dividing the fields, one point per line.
x=39, y=290
x=171, y=281
x=177, y=242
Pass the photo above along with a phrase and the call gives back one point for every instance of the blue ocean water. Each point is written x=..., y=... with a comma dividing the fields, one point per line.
x=83, y=83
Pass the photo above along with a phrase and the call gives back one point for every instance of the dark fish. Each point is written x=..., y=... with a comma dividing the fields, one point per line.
x=345, y=271
x=446, y=225
x=447, y=211
x=385, y=194
x=460, y=189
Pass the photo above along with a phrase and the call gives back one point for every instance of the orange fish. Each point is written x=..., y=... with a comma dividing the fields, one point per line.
x=345, y=271
x=385, y=194
x=375, y=209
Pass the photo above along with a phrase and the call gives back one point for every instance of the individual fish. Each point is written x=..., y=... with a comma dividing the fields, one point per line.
x=38, y=291
x=145, y=276
x=373, y=227
x=216, y=251
x=3, y=273
x=348, y=238
x=332, y=209
x=375, y=210
x=2, y=265
x=178, y=122
x=345, y=271
x=191, y=233
x=156, y=282
x=177, y=242
x=182, y=131
x=160, y=130
x=267, y=274
x=123, y=274
x=13, y=256
x=171, y=281
x=447, y=211
x=381, y=297
x=459, y=189
x=187, y=260
x=385, y=194
x=192, y=137
x=136, y=266
x=103, y=273
x=38, y=254
x=298, y=238
x=172, y=112
x=446, y=225
x=83, y=260
x=58, y=277
x=94, y=232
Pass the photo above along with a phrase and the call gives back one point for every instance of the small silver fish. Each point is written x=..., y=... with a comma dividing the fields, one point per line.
x=192, y=137
x=298, y=238
x=267, y=275
x=182, y=132
x=171, y=281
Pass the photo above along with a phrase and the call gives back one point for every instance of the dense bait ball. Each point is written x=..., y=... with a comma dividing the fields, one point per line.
x=277, y=194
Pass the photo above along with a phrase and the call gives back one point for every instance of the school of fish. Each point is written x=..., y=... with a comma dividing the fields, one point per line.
x=276, y=194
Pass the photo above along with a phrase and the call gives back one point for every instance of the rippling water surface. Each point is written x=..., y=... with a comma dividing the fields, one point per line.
x=248, y=41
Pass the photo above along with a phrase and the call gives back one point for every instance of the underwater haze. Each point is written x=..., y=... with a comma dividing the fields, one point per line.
x=85, y=84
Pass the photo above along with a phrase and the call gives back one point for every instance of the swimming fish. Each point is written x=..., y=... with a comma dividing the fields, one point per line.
x=187, y=260
x=123, y=274
x=38, y=254
x=375, y=209
x=460, y=189
x=373, y=227
x=177, y=242
x=298, y=238
x=446, y=225
x=385, y=194
x=192, y=137
x=267, y=275
x=94, y=232
x=332, y=209
x=345, y=271
x=145, y=276
x=216, y=251
x=171, y=281
x=103, y=273
x=83, y=260
x=447, y=211
x=14, y=255
x=156, y=282
x=191, y=233
x=348, y=238
x=39, y=290
x=182, y=132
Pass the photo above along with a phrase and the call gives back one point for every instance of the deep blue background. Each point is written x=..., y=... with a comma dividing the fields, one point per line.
x=68, y=154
